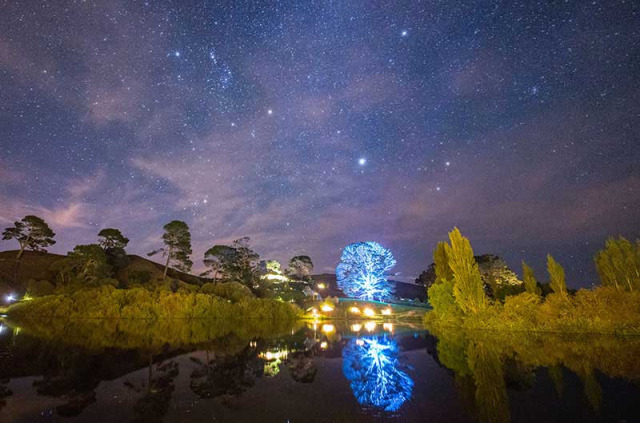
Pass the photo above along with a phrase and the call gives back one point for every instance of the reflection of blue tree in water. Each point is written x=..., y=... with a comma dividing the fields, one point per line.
x=377, y=378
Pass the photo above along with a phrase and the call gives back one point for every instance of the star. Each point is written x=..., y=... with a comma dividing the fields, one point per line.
x=177, y=54
x=270, y=112
x=362, y=161
x=404, y=33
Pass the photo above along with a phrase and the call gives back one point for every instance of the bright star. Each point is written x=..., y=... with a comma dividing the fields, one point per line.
x=447, y=164
x=270, y=112
x=404, y=33
x=177, y=54
x=362, y=161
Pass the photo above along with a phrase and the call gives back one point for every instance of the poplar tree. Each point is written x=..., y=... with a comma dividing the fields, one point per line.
x=468, y=289
x=530, y=282
x=441, y=261
x=556, y=275
x=618, y=264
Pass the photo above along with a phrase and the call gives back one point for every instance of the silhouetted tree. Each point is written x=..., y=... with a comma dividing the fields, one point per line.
x=89, y=263
x=220, y=258
x=114, y=244
x=245, y=266
x=112, y=238
x=177, y=249
x=32, y=233
x=300, y=267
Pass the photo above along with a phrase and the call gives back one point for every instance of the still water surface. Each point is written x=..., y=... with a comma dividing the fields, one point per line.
x=176, y=371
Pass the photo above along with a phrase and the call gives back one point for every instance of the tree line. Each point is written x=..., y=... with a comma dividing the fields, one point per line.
x=458, y=295
x=95, y=262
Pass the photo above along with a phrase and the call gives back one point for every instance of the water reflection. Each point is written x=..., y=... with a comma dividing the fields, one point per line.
x=377, y=377
x=486, y=365
x=314, y=372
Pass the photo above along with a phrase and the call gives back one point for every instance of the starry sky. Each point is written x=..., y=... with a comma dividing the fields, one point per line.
x=308, y=125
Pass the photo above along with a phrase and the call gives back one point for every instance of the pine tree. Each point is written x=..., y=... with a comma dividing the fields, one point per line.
x=468, y=289
x=556, y=275
x=32, y=233
x=177, y=249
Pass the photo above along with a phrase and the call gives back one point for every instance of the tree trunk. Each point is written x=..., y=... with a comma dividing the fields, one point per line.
x=16, y=269
x=166, y=266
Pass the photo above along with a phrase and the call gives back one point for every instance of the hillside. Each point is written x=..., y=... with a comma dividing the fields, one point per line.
x=37, y=266
x=402, y=290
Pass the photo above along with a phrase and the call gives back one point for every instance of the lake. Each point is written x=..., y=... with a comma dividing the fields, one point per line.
x=220, y=371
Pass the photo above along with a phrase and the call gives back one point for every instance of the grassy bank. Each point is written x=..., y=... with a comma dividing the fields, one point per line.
x=108, y=302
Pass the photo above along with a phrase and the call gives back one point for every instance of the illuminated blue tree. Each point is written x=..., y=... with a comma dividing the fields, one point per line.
x=376, y=376
x=361, y=272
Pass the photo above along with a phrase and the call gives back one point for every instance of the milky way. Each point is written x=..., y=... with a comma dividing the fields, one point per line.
x=311, y=125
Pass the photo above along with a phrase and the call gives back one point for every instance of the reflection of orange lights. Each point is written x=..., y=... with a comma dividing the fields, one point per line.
x=388, y=327
x=321, y=286
x=370, y=326
x=359, y=342
x=328, y=328
x=369, y=312
x=324, y=345
x=326, y=308
x=356, y=327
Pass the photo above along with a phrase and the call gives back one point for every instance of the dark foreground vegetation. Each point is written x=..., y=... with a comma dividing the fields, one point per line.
x=459, y=299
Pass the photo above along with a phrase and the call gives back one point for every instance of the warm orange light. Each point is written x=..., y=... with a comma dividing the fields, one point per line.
x=356, y=327
x=328, y=328
x=370, y=326
x=324, y=345
x=321, y=286
x=388, y=327
x=326, y=308
x=386, y=311
x=354, y=310
x=369, y=312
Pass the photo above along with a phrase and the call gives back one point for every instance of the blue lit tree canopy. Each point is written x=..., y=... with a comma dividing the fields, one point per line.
x=376, y=376
x=361, y=272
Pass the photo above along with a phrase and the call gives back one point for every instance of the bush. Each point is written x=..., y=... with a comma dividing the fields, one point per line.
x=39, y=288
x=139, y=277
x=233, y=291
x=108, y=302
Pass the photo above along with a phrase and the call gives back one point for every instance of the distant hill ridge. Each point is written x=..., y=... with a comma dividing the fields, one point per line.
x=37, y=266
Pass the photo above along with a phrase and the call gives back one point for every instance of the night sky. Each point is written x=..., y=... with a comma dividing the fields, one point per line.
x=311, y=125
